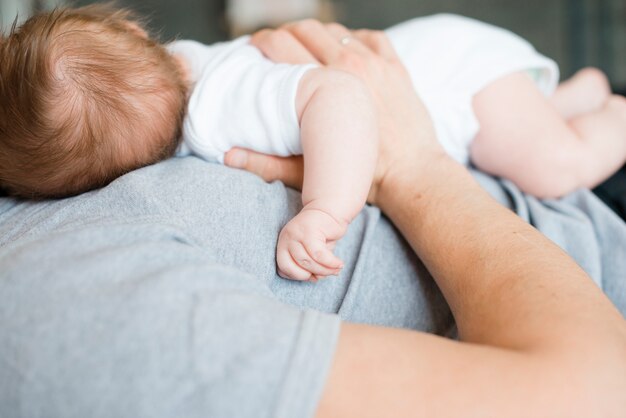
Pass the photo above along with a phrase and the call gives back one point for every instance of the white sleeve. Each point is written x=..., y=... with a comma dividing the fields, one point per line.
x=240, y=98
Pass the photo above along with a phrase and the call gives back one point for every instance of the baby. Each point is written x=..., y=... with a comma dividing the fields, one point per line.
x=86, y=96
x=496, y=102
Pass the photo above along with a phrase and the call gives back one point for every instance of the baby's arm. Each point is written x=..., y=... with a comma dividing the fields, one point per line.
x=339, y=135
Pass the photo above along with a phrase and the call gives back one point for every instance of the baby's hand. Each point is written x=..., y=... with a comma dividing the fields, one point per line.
x=304, y=250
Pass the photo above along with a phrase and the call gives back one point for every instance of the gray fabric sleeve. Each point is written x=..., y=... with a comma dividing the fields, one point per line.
x=136, y=319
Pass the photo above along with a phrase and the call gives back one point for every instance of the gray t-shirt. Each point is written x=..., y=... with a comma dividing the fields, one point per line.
x=157, y=296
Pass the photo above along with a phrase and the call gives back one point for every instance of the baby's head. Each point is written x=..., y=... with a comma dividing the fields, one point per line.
x=85, y=96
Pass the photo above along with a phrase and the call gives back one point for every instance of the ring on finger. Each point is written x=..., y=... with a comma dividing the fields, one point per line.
x=345, y=40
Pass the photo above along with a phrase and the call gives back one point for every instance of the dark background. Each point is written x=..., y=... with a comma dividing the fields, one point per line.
x=576, y=33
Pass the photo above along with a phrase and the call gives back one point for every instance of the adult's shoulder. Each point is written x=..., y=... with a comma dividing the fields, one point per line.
x=116, y=300
x=177, y=189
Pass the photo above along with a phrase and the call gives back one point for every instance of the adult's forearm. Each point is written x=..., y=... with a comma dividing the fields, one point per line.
x=507, y=284
x=543, y=340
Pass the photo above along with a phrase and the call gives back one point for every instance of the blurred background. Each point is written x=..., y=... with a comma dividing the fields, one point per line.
x=575, y=33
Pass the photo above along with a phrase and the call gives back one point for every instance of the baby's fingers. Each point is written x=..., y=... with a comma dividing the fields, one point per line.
x=288, y=268
x=323, y=255
x=307, y=262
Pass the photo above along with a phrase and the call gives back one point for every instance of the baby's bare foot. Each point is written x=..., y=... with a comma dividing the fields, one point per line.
x=586, y=91
x=616, y=104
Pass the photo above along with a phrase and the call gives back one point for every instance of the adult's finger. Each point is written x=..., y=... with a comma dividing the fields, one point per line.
x=316, y=38
x=289, y=170
x=280, y=45
x=338, y=30
x=377, y=41
x=345, y=38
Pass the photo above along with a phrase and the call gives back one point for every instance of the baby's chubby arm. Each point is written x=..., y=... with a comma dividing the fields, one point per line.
x=339, y=136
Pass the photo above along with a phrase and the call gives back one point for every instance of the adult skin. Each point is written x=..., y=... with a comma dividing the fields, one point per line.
x=538, y=338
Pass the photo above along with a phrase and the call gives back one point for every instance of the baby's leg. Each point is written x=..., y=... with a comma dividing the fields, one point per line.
x=586, y=91
x=524, y=138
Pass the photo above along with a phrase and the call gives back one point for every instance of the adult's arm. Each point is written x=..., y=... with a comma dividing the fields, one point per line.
x=538, y=338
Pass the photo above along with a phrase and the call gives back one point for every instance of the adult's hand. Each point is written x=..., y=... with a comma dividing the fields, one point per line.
x=501, y=277
x=406, y=133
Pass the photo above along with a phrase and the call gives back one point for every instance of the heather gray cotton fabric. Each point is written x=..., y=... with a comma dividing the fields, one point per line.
x=157, y=296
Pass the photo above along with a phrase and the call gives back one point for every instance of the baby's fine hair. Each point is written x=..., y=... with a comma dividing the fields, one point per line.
x=85, y=96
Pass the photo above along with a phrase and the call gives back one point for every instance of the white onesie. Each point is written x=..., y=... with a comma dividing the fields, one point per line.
x=240, y=98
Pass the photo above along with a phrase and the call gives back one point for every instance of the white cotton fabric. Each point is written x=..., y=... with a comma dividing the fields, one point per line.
x=451, y=58
x=240, y=98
